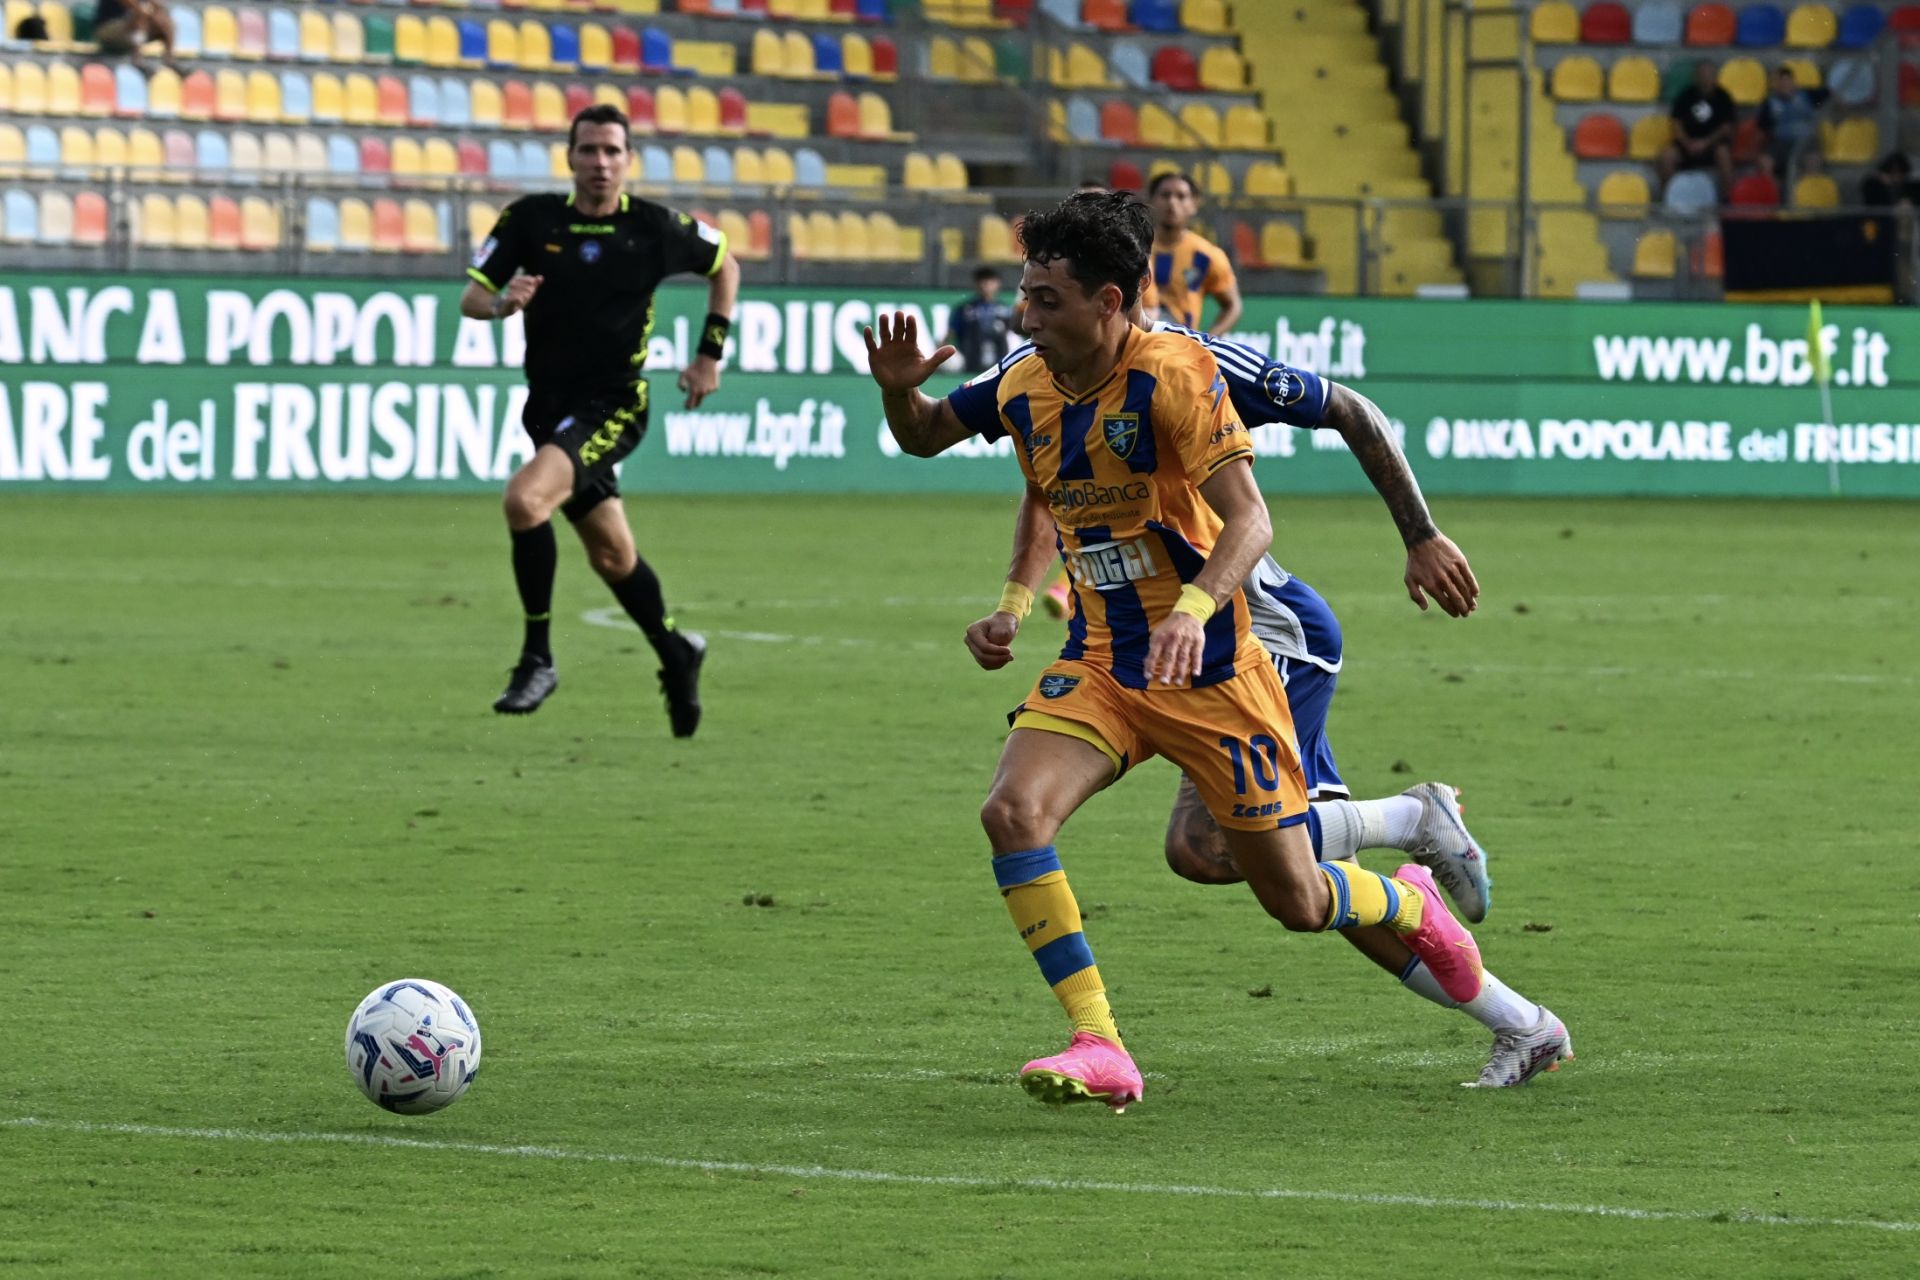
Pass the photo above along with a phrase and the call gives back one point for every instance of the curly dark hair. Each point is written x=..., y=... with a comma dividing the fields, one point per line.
x=1105, y=237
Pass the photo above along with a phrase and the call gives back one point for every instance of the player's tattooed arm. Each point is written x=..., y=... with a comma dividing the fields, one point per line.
x=1435, y=566
x=1367, y=433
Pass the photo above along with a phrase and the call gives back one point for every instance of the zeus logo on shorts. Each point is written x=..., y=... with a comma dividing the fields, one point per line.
x=1111, y=564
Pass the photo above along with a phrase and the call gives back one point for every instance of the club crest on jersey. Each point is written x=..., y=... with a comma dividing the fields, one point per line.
x=1058, y=686
x=1283, y=386
x=1122, y=431
x=589, y=251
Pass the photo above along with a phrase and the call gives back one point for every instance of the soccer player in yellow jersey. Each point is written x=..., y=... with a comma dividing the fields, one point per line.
x=1187, y=268
x=1131, y=442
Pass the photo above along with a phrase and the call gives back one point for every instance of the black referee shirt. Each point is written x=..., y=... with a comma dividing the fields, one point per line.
x=588, y=324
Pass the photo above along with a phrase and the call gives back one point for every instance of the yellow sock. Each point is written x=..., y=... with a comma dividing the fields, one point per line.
x=1048, y=919
x=1362, y=897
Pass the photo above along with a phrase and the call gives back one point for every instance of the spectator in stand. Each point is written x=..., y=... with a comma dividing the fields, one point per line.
x=1789, y=121
x=128, y=26
x=1757, y=188
x=31, y=29
x=1703, y=122
x=1891, y=185
x=978, y=327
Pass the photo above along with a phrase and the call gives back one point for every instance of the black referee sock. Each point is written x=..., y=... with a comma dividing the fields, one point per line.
x=639, y=594
x=535, y=557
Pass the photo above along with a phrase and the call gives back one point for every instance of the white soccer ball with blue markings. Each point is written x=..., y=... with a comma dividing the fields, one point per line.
x=413, y=1046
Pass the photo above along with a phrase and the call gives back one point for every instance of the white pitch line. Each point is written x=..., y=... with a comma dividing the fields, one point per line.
x=617, y=620
x=1740, y=1217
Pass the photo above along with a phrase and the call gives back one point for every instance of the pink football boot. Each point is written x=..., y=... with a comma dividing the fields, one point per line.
x=1442, y=942
x=1093, y=1069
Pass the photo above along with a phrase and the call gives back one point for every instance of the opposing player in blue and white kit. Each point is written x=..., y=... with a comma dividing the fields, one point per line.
x=1302, y=635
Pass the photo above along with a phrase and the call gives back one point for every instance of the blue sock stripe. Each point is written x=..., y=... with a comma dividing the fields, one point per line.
x=1011, y=869
x=1313, y=833
x=1343, y=895
x=1393, y=896
x=1064, y=957
x=1407, y=972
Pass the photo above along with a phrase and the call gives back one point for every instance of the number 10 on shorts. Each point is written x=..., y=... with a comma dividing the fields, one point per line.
x=1259, y=751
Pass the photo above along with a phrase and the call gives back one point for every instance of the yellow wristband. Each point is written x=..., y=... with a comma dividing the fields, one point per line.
x=1016, y=600
x=1194, y=601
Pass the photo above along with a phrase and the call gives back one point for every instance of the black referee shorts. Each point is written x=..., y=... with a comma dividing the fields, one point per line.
x=596, y=429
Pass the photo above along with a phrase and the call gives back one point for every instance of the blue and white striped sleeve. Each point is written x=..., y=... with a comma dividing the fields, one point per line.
x=1264, y=391
x=977, y=402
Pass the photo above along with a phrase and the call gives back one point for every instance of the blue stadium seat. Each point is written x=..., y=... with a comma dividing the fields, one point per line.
x=283, y=35
x=1761, y=26
x=656, y=165
x=43, y=147
x=423, y=100
x=719, y=166
x=1129, y=62
x=456, y=103
x=1858, y=27
x=656, y=51
x=186, y=30
x=473, y=42
x=1064, y=12
x=725, y=8
x=1658, y=22
x=503, y=159
x=1156, y=15
x=533, y=160
x=826, y=56
x=566, y=46
x=873, y=11
x=1083, y=120
x=210, y=152
x=296, y=96
x=22, y=217
x=343, y=156
x=809, y=170
x=129, y=91
x=323, y=225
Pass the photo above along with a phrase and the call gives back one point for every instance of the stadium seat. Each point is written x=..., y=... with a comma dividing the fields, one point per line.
x=1175, y=68
x=259, y=225
x=656, y=165
x=1156, y=15
x=316, y=35
x=1755, y=191
x=1246, y=128
x=1222, y=70
x=596, y=47
x=443, y=44
x=1905, y=19
x=1633, y=79
x=389, y=226
x=1600, y=137
x=329, y=98
x=246, y=158
x=748, y=168
x=1816, y=191
x=1710, y=25
x=1654, y=255
x=21, y=217
x=377, y=30
x=349, y=38
x=322, y=225
x=886, y=62
x=1659, y=23
x=99, y=96
x=1649, y=137
x=1083, y=120
x=826, y=57
x=1858, y=26
x=153, y=221
x=76, y=151
x=1760, y=25
x=489, y=104
x=470, y=47
x=456, y=103
x=420, y=229
x=376, y=155
x=1811, y=26
x=178, y=151
x=63, y=89
x=262, y=103
x=408, y=161
x=343, y=156
x=163, y=93
x=1606, y=22
x=1158, y=127
x=219, y=32
x=1806, y=72
x=278, y=155
x=516, y=111
x=1623, y=193
x=409, y=40
x=1577, y=79
x=535, y=160
x=1130, y=65
x=779, y=167
x=503, y=45
x=13, y=150
x=1909, y=85
x=1855, y=140
x=536, y=45
x=1690, y=192
x=192, y=223
x=563, y=44
x=670, y=111
x=766, y=54
x=223, y=223
x=1852, y=81
x=229, y=95
x=296, y=97
x=503, y=160
x=578, y=97
x=29, y=89
x=549, y=107
x=656, y=52
x=309, y=153
x=717, y=162
x=1200, y=123
x=796, y=54
x=390, y=104
x=480, y=219
x=356, y=226
x=56, y=218
x=211, y=154
x=1119, y=123
x=843, y=115
x=1281, y=245
x=1745, y=81
x=809, y=170
x=688, y=167
x=186, y=31
x=250, y=34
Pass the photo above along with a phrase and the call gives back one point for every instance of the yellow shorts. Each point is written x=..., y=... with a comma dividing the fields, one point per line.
x=1234, y=739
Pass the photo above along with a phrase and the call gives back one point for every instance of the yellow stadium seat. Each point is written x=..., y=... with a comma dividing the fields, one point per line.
x=422, y=228
x=536, y=46
x=480, y=219
x=1555, y=22
x=259, y=225
x=443, y=43
x=557, y=166
x=109, y=148
x=799, y=242
x=356, y=225
x=1207, y=17
x=192, y=224
x=349, y=38
x=669, y=110
x=1223, y=70
x=688, y=168
x=596, y=47
x=29, y=89
x=1200, y=123
x=1623, y=194
x=1265, y=178
x=1086, y=69
x=363, y=100
x=1649, y=137
x=977, y=61
x=823, y=233
x=703, y=112
x=748, y=169
x=1654, y=255
x=503, y=43
x=767, y=55
x=950, y=172
x=943, y=57
x=1158, y=128
x=76, y=150
x=1854, y=141
x=219, y=32
x=953, y=244
x=1577, y=79
x=145, y=156
x=1810, y=26
x=996, y=242
x=59, y=20
x=1816, y=191
x=1215, y=179
x=408, y=161
x=733, y=226
x=1634, y=79
x=1744, y=80
x=229, y=95
x=1281, y=245
x=487, y=104
x=779, y=167
x=883, y=238
x=864, y=178
x=917, y=172
x=712, y=60
x=856, y=245
x=549, y=107
x=610, y=95
x=13, y=151
x=409, y=39
x=154, y=222
x=1247, y=129
x=63, y=90
x=796, y=56
x=316, y=36
x=329, y=98
x=876, y=120
x=263, y=98
x=856, y=56
x=1806, y=72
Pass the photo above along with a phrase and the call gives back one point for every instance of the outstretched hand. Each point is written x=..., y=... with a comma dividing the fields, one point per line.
x=895, y=361
x=1438, y=568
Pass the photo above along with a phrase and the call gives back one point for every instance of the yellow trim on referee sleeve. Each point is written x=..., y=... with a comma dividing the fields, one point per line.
x=1072, y=729
x=482, y=281
x=719, y=254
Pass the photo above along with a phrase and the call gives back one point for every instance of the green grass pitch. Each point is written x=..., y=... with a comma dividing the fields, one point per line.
x=751, y=1003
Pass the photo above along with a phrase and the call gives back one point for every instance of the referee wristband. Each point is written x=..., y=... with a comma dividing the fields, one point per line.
x=1016, y=600
x=713, y=335
x=1195, y=602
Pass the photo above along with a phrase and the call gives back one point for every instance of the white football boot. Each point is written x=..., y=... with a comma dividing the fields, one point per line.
x=1519, y=1056
x=1443, y=846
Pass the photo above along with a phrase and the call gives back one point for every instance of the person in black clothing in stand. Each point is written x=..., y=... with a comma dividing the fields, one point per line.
x=978, y=327
x=583, y=267
x=1703, y=123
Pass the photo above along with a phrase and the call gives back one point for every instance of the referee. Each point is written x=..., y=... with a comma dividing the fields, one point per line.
x=584, y=267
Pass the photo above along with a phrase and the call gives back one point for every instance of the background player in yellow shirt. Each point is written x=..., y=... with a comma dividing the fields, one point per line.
x=1187, y=268
x=1131, y=441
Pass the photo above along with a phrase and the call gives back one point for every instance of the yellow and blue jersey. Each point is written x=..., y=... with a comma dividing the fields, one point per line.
x=1185, y=276
x=1121, y=466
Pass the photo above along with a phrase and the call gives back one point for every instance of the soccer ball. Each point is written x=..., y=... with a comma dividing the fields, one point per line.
x=413, y=1046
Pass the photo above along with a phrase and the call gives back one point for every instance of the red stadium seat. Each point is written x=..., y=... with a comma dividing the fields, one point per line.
x=375, y=156
x=578, y=99
x=886, y=57
x=760, y=233
x=1105, y=15
x=516, y=109
x=626, y=49
x=1600, y=137
x=1120, y=123
x=89, y=218
x=1605, y=22
x=1175, y=68
x=223, y=223
x=1755, y=191
x=1246, y=245
x=1905, y=19
x=733, y=112
x=473, y=158
x=640, y=109
x=1711, y=24
x=1909, y=85
x=1124, y=175
x=1709, y=256
x=196, y=96
x=843, y=116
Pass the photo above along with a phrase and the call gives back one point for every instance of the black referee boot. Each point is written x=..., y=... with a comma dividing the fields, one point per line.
x=680, y=681
x=532, y=680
